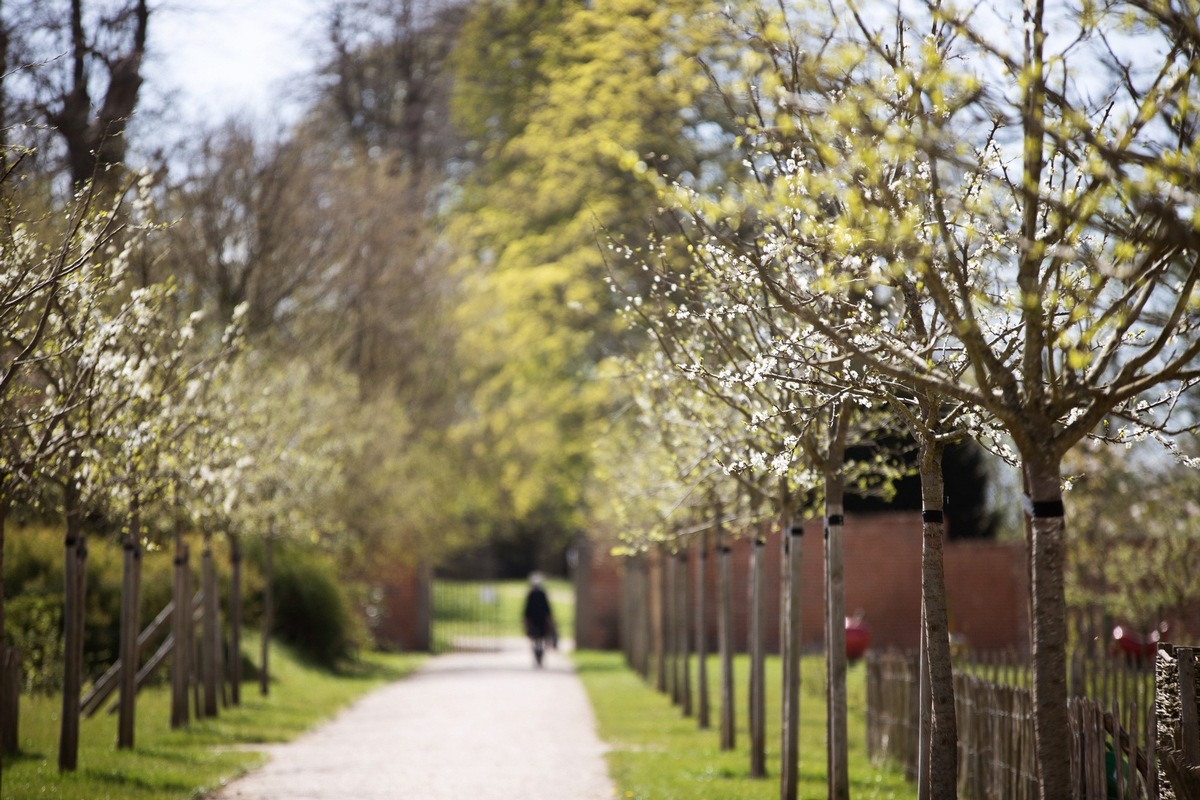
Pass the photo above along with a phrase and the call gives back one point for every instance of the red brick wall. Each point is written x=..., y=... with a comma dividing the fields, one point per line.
x=401, y=621
x=985, y=585
x=598, y=598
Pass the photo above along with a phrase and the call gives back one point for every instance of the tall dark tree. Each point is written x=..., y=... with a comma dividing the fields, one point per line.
x=81, y=75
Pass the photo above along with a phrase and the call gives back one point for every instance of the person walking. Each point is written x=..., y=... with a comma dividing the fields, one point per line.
x=539, y=619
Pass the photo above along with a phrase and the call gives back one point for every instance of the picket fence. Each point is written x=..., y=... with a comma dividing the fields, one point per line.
x=1112, y=725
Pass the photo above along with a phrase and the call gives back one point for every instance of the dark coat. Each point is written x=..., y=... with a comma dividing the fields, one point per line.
x=539, y=622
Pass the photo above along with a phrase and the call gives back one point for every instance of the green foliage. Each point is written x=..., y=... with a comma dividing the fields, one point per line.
x=33, y=625
x=596, y=90
x=1134, y=540
x=34, y=588
x=313, y=610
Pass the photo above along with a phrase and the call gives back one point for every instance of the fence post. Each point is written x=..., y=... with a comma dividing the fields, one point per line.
x=10, y=697
x=583, y=593
x=1178, y=735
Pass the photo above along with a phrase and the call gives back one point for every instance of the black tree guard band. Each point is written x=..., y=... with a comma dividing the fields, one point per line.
x=1044, y=509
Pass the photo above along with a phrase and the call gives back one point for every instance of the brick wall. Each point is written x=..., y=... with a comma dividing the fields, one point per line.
x=402, y=620
x=985, y=585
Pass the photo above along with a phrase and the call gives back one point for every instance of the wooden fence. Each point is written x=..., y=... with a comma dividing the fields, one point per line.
x=1177, y=706
x=994, y=710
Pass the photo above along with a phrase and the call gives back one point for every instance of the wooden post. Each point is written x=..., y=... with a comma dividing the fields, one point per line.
x=757, y=700
x=10, y=697
x=725, y=642
x=181, y=631
x=235, y=619
x=130, y=629
x=703, y=711
x=210, y=635
x=1189, y=725
x=264, y=672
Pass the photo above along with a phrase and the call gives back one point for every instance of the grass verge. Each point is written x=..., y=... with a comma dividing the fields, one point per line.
x=190, y=762
x=657, y=754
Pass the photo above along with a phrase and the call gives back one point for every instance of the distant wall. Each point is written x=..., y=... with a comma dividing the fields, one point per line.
x=986, y=587
x=402, y=620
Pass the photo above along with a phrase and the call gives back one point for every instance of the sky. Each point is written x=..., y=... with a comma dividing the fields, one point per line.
x=211, y=59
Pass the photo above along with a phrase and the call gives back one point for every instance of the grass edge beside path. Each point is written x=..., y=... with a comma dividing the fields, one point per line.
x=192, y=762
x=655, y=753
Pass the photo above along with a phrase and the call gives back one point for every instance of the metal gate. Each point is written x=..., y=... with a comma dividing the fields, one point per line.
x=466, y=615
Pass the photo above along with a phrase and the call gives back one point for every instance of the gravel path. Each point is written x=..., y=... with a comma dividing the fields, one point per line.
x=467, y=726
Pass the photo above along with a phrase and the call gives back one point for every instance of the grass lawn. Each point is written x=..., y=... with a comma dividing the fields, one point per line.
x=657, y=754
x=187, y=763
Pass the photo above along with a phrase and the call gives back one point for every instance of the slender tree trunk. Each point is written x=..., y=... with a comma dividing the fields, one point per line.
x=264, y=672
x=835, y=608
x=793, y=540
x=703, y=710
x=943, y=732
x=645, y=618
x=758, y=684
x=725, y=642
x=74, y=587
x=181, y=631
x=661, y=649
x=671, y=627
x=924, y=710
x=235, y=619
x=8, y=703
x=210, y=634
x=683, y=619
x=130, y=628
x=1045, y=511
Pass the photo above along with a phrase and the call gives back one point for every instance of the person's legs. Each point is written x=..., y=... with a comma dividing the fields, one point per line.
x=539, y=649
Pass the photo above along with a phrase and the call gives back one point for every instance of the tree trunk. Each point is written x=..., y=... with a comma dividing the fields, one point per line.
x=1045, y=512
x=96, y=142
x=835, y=608
x=943, y=730
x=793, y=540
x=130, y=628
x=725, y=642
x=645, y=619
x=682, y=619
x=8, y=705
x=757, y=700
x=671, y=626
x=210, y=633
x=661, y=650
x=424, y=641
x=181, y=630
x=703, y=710
x=924, y=710
x=235, y=619
x=74, y=589
x=264, y=672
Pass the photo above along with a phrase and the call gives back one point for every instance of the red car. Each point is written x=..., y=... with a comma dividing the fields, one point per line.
x=858, y=638
x=1136, y=646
